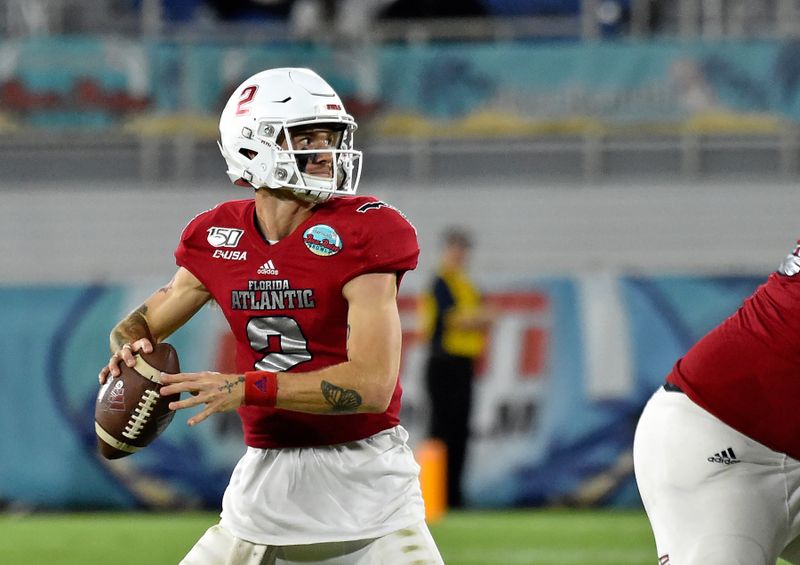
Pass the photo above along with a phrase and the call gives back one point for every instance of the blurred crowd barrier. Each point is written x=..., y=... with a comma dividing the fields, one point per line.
x=166, y=88
x=570, y=363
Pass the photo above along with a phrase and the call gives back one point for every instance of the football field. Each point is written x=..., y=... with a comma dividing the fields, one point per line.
x=542, y=537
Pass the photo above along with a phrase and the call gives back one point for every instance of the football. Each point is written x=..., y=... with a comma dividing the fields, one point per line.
x=129, y=412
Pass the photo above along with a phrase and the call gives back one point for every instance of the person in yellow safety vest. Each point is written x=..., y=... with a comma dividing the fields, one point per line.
x=455, y=320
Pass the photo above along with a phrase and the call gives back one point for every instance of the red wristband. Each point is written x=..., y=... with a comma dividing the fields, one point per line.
x=260, y=388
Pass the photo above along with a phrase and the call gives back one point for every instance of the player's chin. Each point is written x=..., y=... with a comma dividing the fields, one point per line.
x=283, y=193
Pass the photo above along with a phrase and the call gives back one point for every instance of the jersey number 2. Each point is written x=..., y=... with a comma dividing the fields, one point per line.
x=281, y=339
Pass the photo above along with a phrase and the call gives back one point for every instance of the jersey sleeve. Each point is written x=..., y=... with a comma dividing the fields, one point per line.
x=188, y=252
x=387, y=243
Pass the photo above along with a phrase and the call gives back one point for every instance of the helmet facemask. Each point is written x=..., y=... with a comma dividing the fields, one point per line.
x=268, y=159
x=342, y=165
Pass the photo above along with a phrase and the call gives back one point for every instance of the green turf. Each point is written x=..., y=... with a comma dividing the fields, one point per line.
x=554, y=537
x=547, y=537
x=86, y=539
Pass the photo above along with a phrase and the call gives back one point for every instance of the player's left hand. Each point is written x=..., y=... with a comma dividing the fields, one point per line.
x=220, y=392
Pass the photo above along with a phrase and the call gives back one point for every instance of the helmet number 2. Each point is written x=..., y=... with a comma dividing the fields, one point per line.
x=280, y=339
x=245, y=98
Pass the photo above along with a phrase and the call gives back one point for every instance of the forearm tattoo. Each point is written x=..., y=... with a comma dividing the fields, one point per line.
x=228, y=386
x=132, y=328
x=340, y=399
x=167, y=287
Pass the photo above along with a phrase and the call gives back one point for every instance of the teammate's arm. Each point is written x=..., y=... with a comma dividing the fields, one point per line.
x=162, y=313
x=362, y=384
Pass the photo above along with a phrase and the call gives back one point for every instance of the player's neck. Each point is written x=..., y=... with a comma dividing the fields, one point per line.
x=278, y=217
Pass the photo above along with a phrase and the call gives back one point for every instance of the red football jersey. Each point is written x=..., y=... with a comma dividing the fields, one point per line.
x=284, y=301
x=747, y=370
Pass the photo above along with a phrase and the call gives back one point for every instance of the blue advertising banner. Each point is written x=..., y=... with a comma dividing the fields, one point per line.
x=570, y=363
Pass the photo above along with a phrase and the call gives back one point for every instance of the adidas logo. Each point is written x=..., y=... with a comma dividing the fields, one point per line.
x=267, y=268
x=726, y=457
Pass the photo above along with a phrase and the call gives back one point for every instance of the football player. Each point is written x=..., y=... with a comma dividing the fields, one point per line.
x=717, y=448
x=306, y=274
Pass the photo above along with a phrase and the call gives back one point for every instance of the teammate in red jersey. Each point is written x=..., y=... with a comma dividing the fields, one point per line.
x=307, y=277
x=717, y=449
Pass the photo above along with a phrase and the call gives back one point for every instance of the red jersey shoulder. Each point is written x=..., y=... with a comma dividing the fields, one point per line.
x=222, y=226
x=379, y=236
x=221, y=229
x=367, y=214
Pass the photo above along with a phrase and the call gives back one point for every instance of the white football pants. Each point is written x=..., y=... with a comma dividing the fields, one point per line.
x=412, y=545
x=713, y=495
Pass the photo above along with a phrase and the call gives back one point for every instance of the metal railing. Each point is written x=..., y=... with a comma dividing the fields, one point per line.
x=107, y=159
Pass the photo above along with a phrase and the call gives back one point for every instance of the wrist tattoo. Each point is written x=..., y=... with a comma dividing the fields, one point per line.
x=340, y=399
x=228, y=386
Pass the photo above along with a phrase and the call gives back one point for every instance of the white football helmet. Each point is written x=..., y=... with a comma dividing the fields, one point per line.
x=259, y=116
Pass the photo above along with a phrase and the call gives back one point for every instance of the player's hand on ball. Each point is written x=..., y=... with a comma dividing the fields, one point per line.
x=130, y=411
x=126, y=354
x=220, y=392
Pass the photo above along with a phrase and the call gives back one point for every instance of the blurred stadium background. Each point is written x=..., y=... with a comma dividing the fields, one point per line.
x=629, y=168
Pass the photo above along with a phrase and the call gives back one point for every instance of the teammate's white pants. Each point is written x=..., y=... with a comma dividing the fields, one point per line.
x=713, y=495
x=412, y=545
